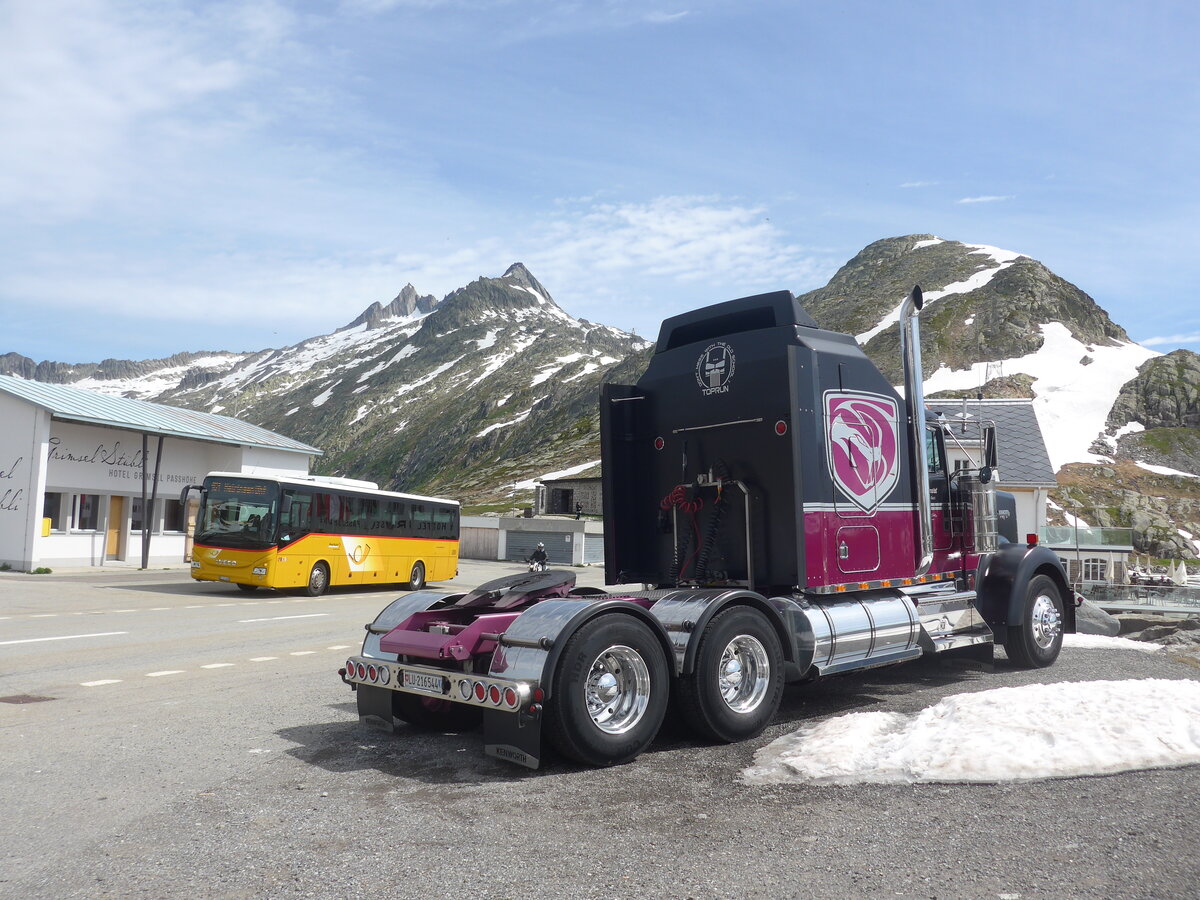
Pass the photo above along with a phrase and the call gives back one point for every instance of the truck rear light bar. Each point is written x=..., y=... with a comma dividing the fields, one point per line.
x=426, y=681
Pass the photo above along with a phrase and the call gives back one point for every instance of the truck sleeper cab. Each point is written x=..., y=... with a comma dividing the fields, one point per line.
x=790, y=516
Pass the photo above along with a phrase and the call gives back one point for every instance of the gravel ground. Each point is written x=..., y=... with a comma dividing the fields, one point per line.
x=345, y=812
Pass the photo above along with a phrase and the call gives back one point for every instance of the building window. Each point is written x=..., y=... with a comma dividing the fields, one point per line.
x=52, y=507
x=87, y=512
x=173, y=518
x=1095, y=569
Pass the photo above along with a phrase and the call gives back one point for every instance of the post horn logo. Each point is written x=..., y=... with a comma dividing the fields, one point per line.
x=714, y=369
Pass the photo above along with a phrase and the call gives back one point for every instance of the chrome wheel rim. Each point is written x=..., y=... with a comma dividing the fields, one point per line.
x=743, y=673
x=316, y=580
x=1047, y=622
x=617, y=690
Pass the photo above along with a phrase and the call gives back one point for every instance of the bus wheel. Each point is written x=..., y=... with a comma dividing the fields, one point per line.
x=610, y=691
x=434, y=713
x=248, y=588
x=738, y=682
x=416, y=580
x=318, y=580
x=1036, y=641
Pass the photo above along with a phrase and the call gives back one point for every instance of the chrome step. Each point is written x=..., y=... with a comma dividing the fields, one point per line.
x=950, y=621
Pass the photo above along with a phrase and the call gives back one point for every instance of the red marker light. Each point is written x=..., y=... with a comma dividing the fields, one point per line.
x=510, y=697
x=659, y=443
x=494, y=695
x=480, y=691
x=781, y=428
x=538, y=695
x=1031, y=540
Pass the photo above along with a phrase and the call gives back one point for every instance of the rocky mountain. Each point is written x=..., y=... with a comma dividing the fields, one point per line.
x=1121, y=422
x=495, y=384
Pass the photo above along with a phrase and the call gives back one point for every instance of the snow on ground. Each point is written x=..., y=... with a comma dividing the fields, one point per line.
x=1163, y=470
x=1025, y=733
x=320, y=399
x=1190, y=538
x=521, y=417
x=1004, y=258
x=484, y=342
x=919, y=244
x=145, y=387
x=1071, y=520
x=529, y=484
x=1129, y=428
x=1073, y=401
x=1104, y=642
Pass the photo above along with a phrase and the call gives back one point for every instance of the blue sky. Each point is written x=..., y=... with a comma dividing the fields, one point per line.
x=240, y=175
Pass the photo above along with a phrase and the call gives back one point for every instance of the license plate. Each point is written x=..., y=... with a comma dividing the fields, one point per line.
x=420, y=681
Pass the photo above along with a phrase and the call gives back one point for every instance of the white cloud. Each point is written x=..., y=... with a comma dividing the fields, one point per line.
x=84, y=86
x=988, y=198
x=918, y=184
x=575, y=252
x=1187, y=338
x=662, y=18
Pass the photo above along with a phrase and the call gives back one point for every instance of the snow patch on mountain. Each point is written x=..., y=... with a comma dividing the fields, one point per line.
x=1072, y=401
x=521, y=417
x=530, y=483
x=1163, y=470
x=1003, y=258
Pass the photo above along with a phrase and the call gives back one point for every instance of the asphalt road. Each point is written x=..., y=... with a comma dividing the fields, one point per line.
x=187, y=740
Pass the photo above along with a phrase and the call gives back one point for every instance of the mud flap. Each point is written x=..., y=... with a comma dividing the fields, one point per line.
x=375, y=708
x=515, y=737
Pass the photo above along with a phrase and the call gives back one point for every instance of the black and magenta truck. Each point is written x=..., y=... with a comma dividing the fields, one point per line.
x=788, y=516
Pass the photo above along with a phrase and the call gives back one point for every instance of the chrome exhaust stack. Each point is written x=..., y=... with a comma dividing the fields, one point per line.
x=914, y=402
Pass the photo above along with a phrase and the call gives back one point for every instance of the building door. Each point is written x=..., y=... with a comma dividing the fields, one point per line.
x=116, y=524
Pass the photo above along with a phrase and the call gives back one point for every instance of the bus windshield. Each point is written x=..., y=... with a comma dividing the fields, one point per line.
x=238, y=512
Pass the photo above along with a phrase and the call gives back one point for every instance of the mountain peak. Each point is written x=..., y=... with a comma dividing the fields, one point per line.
x=521, y=275
x=408, y=303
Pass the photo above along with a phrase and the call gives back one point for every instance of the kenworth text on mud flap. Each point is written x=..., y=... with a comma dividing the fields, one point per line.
x=790, y=516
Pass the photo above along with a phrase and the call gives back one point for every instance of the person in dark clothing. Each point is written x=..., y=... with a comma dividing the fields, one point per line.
x=538, y=557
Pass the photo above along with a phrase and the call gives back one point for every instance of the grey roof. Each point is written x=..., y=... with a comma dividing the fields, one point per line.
x=1020, y=447
x=76, y=405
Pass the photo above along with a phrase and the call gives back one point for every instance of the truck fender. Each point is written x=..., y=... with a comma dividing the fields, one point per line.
x=1004, y=577
x=685, y=614
x=532, y=645
x=397, y=613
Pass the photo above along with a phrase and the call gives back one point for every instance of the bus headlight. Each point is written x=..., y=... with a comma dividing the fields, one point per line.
x=195, y=563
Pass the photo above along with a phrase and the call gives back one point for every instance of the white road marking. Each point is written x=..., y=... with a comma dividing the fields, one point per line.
x=44, y=616
x=262, y=658
x=100, y=682
x=339, y=647
x=196, y=606
x=278, y=618
x=302, y=652
x=164, y=672
x=216, y=665
x=124, y=610
x=226, y=604
x=64, y=637
x=158, y=608
x=276, y=601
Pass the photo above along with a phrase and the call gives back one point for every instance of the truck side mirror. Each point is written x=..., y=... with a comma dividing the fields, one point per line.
x=989, y=447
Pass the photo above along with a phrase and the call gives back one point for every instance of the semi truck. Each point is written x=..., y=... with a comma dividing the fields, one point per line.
x=786, y=515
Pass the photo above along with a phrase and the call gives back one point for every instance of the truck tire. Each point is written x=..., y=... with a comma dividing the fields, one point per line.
x=318, y=580
x=1037, y=640
x=610, y=691
x=435, y=714
x=416, y=579
x=735, y=690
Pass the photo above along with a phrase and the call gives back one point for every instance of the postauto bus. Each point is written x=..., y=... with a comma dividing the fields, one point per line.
x=310, y=533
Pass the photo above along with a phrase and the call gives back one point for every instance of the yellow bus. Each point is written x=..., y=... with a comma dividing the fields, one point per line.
x=309, y=533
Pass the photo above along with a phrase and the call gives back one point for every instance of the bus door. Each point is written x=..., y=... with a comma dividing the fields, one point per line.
x=295, y=539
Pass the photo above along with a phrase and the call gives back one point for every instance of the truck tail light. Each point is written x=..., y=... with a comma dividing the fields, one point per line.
x=480, y=691
x=360, y=671
x=510, y=698
x=372, y=674
x=465, y=690
x=494, y=695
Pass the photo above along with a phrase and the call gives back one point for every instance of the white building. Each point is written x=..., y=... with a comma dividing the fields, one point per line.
x=72, y=477
x=1024, y=465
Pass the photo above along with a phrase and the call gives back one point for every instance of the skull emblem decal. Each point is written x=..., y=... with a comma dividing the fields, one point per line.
x=715, y=368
